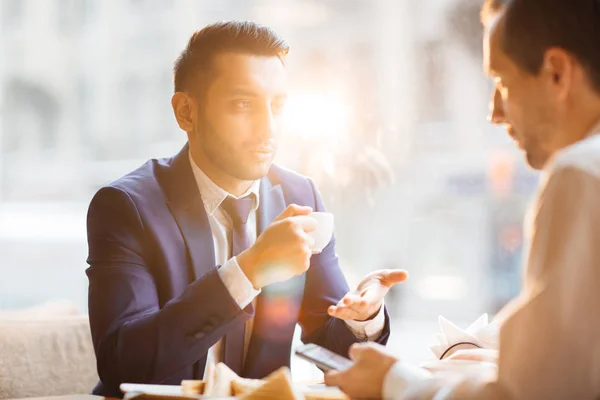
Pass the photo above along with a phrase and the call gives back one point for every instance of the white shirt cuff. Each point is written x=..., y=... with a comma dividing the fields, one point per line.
x=370, y=329
x=399, y=377
x=237, y=283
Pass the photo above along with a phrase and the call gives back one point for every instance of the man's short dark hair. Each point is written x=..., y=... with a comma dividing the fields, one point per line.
x=533, y=26
x=232, y=36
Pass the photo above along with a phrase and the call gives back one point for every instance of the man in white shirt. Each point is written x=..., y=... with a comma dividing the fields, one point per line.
x=544, y=56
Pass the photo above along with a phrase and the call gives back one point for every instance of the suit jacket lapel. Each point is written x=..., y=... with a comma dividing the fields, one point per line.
x=272, y=203
x=185, y=203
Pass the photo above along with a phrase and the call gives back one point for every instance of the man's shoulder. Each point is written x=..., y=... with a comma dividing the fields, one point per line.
x=582, y=157
x=572, y=180
x=296, y=187
x=143, y=181
x=290, y=180
x=279, y=175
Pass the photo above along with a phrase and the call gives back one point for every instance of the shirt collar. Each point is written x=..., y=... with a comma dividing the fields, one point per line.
x=213, y=195
x=591, y=140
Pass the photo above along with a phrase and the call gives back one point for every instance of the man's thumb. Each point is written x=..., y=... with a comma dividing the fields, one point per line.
x=357, y=350
x=394, y=276
x=332, y=378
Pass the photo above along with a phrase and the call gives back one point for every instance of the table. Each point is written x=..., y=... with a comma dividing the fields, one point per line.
x=93, y=397
x=74, y=397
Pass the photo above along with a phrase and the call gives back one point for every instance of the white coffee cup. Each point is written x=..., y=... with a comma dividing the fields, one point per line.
x=322, y=235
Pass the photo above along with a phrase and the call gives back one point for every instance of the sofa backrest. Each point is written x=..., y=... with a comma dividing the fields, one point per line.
x=45, y=355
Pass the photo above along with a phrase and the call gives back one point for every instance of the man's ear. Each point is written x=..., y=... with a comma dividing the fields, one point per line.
x=559, y=65
x=185, y=110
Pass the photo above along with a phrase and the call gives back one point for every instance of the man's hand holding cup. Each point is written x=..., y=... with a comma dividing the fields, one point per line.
x=284, y=249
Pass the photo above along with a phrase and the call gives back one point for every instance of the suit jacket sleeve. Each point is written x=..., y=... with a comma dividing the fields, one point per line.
x=325, y=286
x=135, y=338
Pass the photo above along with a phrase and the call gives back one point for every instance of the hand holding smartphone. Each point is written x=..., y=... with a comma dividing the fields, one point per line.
x=323, y=358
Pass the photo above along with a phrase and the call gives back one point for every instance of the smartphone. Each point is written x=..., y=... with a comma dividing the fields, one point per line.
x=323, y=358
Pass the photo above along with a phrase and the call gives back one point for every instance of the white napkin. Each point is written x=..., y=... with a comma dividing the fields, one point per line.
x=480, y=332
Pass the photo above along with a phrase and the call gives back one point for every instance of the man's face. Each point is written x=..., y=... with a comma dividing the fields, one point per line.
x=521, y=101
x=240, y=114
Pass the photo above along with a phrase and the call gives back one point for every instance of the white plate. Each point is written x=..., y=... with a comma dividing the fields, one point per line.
x=172, y=391
x=169, y=390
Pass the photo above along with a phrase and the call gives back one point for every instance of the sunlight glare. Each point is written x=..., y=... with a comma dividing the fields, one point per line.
x=313, y=115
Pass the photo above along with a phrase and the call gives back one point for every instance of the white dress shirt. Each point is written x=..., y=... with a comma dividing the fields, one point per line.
x=550, y=334
x=231, y=274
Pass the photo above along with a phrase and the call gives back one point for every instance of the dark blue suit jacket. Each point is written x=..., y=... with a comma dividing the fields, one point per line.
x=156, y=302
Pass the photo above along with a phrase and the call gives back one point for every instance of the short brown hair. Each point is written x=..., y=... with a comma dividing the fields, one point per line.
x=533, y=26
x=231, y=36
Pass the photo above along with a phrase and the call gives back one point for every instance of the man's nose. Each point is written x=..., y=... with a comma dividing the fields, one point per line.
x=497, y=115
x=267, y=124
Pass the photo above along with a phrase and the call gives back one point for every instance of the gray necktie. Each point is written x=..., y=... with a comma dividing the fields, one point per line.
x=238, y=210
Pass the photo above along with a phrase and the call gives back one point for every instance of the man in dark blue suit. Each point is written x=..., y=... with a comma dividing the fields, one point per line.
x=206, y=256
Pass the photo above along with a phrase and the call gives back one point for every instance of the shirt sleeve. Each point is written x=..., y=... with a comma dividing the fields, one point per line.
x=237, y=283
x=368, y=330
x=549, y=340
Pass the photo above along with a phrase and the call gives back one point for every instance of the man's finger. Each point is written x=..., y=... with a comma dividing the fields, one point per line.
x=357, y=304
x=392, y=277
x=357, y=350
x=306, y=223
x=293, y=210
x=333, y=378
x=353, y=300
x=342, y=312
x=309, y=240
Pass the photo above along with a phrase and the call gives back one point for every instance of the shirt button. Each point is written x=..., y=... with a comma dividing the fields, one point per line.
x=199, y=335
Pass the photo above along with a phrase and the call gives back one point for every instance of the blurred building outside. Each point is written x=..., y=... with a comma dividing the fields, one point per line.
x=85, y=97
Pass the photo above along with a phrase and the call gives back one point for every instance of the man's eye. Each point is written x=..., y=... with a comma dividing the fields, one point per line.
x=243, y=104
x=278, y=107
